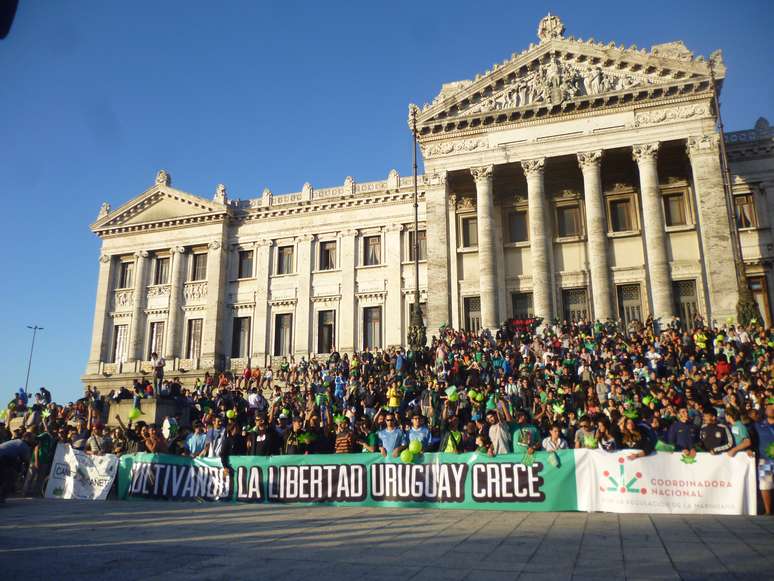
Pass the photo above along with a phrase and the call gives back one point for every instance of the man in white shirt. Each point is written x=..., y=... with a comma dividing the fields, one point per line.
x=158, y=363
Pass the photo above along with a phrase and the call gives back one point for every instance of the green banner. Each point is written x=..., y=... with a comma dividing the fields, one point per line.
x=471, y=481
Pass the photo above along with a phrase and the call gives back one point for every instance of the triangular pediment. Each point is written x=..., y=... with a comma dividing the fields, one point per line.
x=561, y=75
x=159, y=204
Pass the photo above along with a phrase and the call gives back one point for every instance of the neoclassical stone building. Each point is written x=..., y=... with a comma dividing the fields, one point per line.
x=575, y=179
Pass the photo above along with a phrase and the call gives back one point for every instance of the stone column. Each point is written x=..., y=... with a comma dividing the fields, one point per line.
x=393, y=308
x=100, y=329
x=137, y=333
x=540, y=242
x=303, y=326
x=438, y=251
x=718, y=251
x=260, y=330
x=213, y=344
x=646, y=156
x=487, y=265
x=178, y=256
x=347, y=316
x=596, y=231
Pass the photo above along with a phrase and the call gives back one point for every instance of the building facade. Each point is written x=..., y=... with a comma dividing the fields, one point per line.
x=574, y=180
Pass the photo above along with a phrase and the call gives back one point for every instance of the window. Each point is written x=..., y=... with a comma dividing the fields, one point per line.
x=199, y=266
x=372, y=327
x=674, y=209
x=422, y=244
x=472, y=306
x=161, y=272
x=245, y=269
x=517, y=227
x=469, y=232
x=621, y=211
x=283, y=325
x=522, y=305
x=686, y=304
x=327, y=255
x=193, y=346
x=156, y=342
x=372, y=250
x=240, y=337
x=568, y=220
x=629, y=303
x=575, y=303
x=326, y=331
x=760, y=293
x=285, y=260
x=745, y=211
x=125, y=274
x=120, y=335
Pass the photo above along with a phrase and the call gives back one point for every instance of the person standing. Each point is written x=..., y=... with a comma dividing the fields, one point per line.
x=765, y=431
x=158, y=363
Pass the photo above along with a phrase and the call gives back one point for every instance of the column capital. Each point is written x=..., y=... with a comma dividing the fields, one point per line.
x=177, y=250
x=482, y=173
x=304, y=238
x=105, y=258
x=347, y=233
x=437, y=178
x=214, y=245
x=589, y=159
x=141, y=254
x=533, y=167
x=708, y=144
x=395, y=228
x=263, y=242
x=645, y=152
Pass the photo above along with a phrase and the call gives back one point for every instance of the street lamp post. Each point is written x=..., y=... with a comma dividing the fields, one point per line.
x=35, y=330
x=417, y=336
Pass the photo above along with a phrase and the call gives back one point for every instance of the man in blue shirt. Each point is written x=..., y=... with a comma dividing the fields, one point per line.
x=419, y=431
x=392, y=440
x=765, y=431
x=195, y=442
x=683, y=433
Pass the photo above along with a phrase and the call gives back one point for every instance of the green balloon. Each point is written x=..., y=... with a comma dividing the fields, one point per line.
x=231, y=414
x=454, y=397
x=134, y=414
x=407, y=456
x=415, y=447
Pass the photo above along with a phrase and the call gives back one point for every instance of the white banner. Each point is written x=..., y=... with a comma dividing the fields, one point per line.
x=663, y=483
x=77, y=475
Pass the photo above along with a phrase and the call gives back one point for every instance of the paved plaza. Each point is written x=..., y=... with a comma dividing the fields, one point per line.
x=46, y=539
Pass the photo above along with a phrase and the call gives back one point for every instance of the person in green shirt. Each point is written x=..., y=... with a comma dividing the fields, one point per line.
x=366, y=437
x=451, y=438
x=526, y=437
x=742, y=440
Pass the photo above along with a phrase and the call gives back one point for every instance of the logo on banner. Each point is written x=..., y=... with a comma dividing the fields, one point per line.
x=624, y=484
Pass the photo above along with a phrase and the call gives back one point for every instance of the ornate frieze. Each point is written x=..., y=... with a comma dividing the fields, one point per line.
x=123, y=298
x=195, y=291
x=703, y=144
x=452, y=147
x=158, y=290
x=670, y=114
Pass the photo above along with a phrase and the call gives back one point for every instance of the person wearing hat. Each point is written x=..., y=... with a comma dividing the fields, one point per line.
x=294, y=442
x=345, y=439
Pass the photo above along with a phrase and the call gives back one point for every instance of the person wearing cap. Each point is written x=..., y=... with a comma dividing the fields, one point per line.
x=345, y=439
x=294, y=442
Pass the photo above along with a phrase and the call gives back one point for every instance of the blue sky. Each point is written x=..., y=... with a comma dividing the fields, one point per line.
x=97, y=96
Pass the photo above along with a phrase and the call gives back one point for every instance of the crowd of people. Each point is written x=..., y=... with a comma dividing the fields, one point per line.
x=529, y=386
